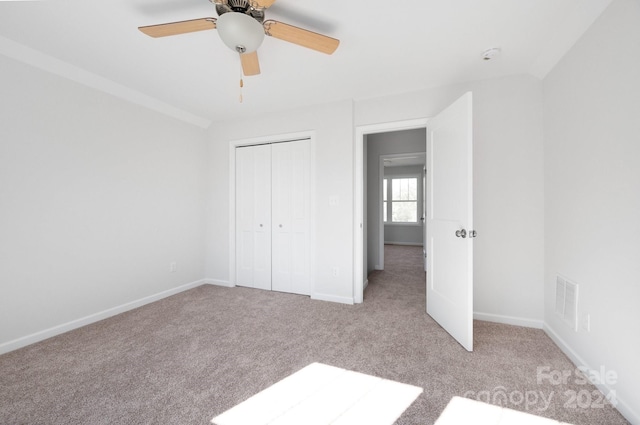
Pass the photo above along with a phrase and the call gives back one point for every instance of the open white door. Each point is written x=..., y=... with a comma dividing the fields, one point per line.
x=450, y=220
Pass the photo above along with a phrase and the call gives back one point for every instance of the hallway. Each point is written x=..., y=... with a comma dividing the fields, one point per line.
x=403, y=278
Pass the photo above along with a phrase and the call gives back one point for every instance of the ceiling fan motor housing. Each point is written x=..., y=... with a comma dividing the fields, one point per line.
x=240, y=6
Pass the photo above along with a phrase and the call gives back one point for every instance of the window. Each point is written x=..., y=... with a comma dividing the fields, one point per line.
x=400, y=199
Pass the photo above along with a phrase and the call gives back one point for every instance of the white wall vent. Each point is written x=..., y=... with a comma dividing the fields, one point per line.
x=567, y=301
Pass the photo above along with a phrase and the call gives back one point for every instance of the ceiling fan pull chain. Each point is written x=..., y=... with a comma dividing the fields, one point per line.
x=241, y=84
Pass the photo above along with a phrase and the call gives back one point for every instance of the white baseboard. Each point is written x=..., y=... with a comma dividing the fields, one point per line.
x=217, y=282
x=508, y=320
x=402, y=243
x=92, y=318
x=623, y=407
x=332, y=298
x=314, y=296
x=378, y=267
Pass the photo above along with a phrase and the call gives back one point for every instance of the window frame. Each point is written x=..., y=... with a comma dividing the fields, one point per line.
x=389, y=201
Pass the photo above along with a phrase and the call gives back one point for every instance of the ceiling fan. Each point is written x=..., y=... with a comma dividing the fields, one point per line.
x=242, y=28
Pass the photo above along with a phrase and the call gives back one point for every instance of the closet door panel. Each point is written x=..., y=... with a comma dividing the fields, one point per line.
x=244, y=217
x=262, y=217
x=281, y=225
x=291, y=217
x=301, y=218
x=253, y=216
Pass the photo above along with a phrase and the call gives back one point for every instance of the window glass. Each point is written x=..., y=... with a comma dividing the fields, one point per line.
x=404, y=199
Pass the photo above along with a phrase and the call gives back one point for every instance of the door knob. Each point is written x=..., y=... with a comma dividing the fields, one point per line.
x=461, y=233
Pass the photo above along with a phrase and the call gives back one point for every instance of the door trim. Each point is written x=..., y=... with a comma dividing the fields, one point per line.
x=278, y=138
x=358, y=199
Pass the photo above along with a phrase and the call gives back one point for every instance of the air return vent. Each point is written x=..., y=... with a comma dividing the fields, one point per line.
x=567, y=301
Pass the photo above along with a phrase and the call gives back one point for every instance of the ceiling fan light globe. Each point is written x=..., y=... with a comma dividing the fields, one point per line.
x=239, y=31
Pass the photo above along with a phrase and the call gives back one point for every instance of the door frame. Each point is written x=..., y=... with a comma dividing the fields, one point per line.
x=380, y=204
x=267, y=140
x=358, y=208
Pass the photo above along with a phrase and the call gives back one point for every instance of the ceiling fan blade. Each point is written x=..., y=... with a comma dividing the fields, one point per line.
x=301, y=37
x=250, y=64
x=182, y=27
x=263, y=4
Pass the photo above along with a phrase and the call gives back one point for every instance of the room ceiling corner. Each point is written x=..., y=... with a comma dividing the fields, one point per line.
x=33, y=57
x=560, y=40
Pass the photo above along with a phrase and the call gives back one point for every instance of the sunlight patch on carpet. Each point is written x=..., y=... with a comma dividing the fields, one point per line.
x=319, y=394
x=465, y=411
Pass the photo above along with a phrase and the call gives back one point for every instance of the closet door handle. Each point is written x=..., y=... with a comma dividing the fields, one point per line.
x=280, y=226
x=261, y=225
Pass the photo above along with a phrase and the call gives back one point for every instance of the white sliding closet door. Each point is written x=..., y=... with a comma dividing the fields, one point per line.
x=290, y=217
x=253, y=216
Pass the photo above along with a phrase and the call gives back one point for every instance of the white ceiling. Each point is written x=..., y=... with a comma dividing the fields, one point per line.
x=386, y=48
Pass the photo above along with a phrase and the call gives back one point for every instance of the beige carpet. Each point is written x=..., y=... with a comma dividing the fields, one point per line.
x=192, y=356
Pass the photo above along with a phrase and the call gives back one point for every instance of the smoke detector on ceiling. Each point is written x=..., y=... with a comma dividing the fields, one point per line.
x=491, y=53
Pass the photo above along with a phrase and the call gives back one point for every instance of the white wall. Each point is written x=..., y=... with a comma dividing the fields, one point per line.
x=508, y=187
x=97, y=197
x=333, y=248
x=592, y=196
x=393, y=142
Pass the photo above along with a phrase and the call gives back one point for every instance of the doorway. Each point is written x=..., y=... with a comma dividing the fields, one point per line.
x=360, y=251
x=394, y=204
x=449, y=217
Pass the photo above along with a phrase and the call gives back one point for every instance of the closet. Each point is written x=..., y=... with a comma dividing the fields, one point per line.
x=273, y=216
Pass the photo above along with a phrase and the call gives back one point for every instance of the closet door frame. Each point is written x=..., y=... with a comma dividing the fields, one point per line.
x=288, y=137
